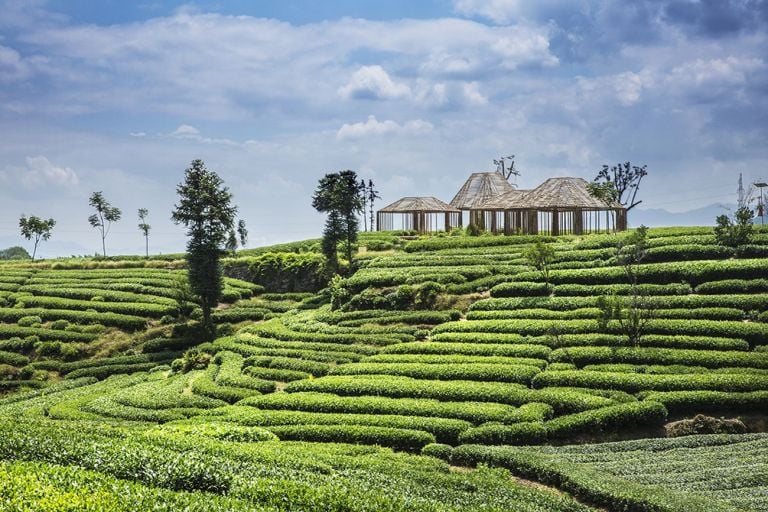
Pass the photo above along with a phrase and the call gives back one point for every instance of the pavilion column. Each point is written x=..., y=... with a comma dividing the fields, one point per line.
x=621, y=219
x=533, y=222
x=555, y=223
x=494, y=227
x=578, y=222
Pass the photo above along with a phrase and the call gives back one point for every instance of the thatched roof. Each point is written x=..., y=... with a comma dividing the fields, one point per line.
x=565, y=193
x=479, y=188
x=505, y=201
x=419, y=204
x=562, y=193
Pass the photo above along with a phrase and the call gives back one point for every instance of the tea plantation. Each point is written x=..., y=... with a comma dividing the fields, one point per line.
x=446, y=373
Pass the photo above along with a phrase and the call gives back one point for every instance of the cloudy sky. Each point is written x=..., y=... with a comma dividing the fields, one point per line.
x=120, y=96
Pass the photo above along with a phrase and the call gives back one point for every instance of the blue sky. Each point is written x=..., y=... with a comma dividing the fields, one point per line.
x=121, y=96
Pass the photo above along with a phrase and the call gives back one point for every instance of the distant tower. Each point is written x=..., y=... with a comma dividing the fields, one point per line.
x=742, y=200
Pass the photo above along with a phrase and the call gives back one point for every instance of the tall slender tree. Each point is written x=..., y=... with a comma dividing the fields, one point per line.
x=372, y=195
x=242, y=233
x=364, y=196
x=205, y=209
x=338, y=195
x=36, y=228
x=144, y=228
x=237, y=236
x=105, y=215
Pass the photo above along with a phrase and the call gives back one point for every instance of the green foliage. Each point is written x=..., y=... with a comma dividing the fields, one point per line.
x=736, y=232
x=105, y=215
x=193, y=359
x=701, y=424
x=619, y=183
x=15, y=253
x=281, y=271
x=474, y=230
x=339, y=195
x=540, y=256
x=37, y=228
x=206, y=211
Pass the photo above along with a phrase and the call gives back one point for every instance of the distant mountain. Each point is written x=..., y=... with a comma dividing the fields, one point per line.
x=704, y=216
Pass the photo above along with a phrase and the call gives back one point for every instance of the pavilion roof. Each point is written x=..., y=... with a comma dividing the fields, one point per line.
x=560, y=193
x=479, y=188
x=419, y=204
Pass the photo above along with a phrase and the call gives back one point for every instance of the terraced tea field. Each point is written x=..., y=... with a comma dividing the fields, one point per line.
x=450, y=348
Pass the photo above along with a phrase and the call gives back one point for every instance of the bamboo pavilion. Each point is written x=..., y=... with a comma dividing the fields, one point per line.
x=556, y=207
x=422, y=214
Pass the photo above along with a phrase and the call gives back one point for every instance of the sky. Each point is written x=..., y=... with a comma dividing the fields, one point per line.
x=120, y=97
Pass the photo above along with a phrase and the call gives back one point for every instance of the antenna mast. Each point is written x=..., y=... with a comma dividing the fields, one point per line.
x=742, y=201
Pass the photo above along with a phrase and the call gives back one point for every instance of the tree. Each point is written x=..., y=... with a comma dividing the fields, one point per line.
x=36, y=228
x=736, y=232
x=242, y=233
x=539, y=256
x=506, y=170
x=631, y=251
x=371, y=195
x=144, y=227
x=338, y=195
x=364, y=196
x=105, y=215
x=14, y=253
x=237, y=236
x=205, y=209
x=619, y=183
x=632, y=313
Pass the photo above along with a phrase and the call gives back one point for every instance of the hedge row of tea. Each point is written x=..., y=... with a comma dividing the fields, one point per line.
x=54, y=452
x=55, y=316
x=538, y=341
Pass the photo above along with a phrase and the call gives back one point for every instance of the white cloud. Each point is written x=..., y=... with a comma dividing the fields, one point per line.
x=627, y=87
x=373, y=83
x=473, y=95
x=186, y=131
x=189, y=132
x=138, y=134
x=728, y=70
x=524, y=46
x=257, y=66
x=373, y=127
x=449, y=95
x=39, y=172
x=12, y=66
x=499, y=11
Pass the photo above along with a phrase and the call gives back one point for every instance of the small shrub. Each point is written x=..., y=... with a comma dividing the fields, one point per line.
x=59, y=325
x=438, y=450
x=29, y=321
x=701, y=424
x=48, y=348
x=474, y=230
x=193, y=359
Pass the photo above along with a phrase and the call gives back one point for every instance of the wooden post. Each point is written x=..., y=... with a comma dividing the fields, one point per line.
x=578, y=222
x=533, y=222
x=555, y=223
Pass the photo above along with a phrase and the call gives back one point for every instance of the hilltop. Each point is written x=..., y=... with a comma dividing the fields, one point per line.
x=453, y=347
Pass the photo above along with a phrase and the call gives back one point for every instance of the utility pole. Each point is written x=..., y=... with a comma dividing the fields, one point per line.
x=761, y=203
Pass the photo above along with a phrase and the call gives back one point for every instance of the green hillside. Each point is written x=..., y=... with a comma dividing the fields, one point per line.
x=448, y=346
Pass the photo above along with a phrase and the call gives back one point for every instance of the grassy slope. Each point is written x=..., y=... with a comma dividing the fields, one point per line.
x=504, y=375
